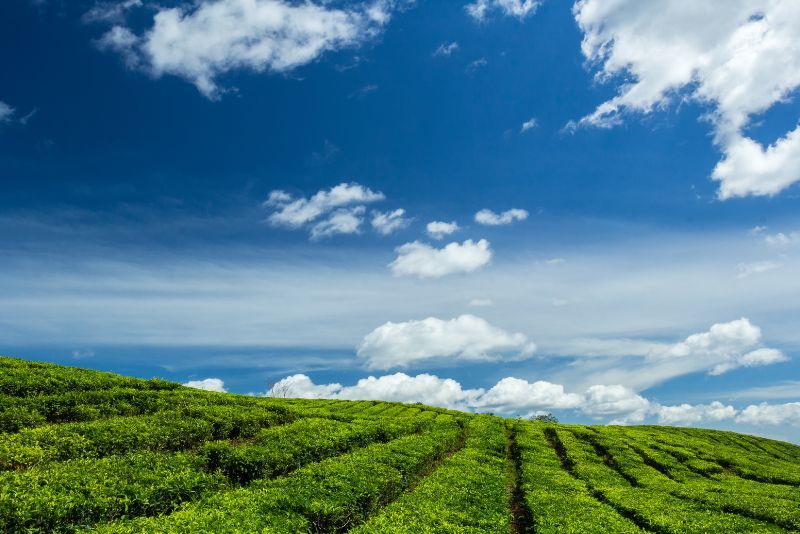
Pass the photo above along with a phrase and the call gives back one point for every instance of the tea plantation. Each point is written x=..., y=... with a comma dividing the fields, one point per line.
x=95, y=452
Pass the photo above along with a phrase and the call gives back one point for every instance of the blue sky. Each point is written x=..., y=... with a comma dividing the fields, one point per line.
x=647, y=270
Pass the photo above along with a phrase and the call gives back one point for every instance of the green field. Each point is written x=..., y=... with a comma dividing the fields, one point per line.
x=88, y=451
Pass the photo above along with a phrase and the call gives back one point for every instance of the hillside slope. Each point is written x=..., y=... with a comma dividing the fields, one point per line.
x=88, y=451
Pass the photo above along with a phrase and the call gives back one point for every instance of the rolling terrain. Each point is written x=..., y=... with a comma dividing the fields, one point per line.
x=85, y=451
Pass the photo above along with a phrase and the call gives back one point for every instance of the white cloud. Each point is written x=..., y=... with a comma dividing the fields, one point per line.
x=363, y=91
x=203, y=40
x=723, y=348
x=771, y=414
x=386, y=223
x=490, y=218
x=113, y=12
x=758, y=267
x=297, y=212
x=614, y=404
x=508, y=396
x=739, y=57
x=688, y=414
x=473, y=66
x=439, y=229
x=6, y=112
x=465, y=337
x=398, y=387
x=615, y=400
x=446, y=49
x=756, y=358
x=207, y=384
x=301, y=386
x=403, y=388
x=555, y=261
x=425, y=261
x=529, y=124
x=515, y=395
x=337, y=204
x=513, y=8
x=782, y=239
x=340, y=221
x=481, y=303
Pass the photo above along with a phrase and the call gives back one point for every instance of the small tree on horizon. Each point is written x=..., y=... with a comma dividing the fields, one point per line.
x=545, y=418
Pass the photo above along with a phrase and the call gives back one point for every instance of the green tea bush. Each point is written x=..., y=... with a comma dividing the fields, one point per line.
x=467, y=493
x=97, y=452
x=67, y=495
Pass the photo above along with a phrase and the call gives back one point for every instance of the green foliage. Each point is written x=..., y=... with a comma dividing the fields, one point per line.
x=66, y=495
x=88, y=451
x=328, y=496
x=467, y=493
x=545, y=418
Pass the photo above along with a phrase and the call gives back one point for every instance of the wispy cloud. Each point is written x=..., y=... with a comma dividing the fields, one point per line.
x=473, y=66
x=513, y=8
x=528, y=125
x=489, y=218
x=446, y=49
x=388, y=222
x=338, y=210
x=758, y=267
x=6, y=112
x=361, y=92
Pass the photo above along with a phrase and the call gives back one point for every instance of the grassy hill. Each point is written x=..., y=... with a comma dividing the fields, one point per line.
x=88, y=451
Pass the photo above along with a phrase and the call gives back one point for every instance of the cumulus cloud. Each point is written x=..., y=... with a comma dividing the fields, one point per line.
x=207, y=384
x=388, y=222
x=301, y=386
x=422, y=260
x=688, y=414
x=513, y=8
x=726, y=346
x=615, y=400
x=200, y=41
x=490, y=218
x=740, y=58
x=446, y=49
x=338, y=210
x=440, y=229
x=516, y=396
x=464, y=338
x=508, y=396
x=529, y=124
x=771, y=414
